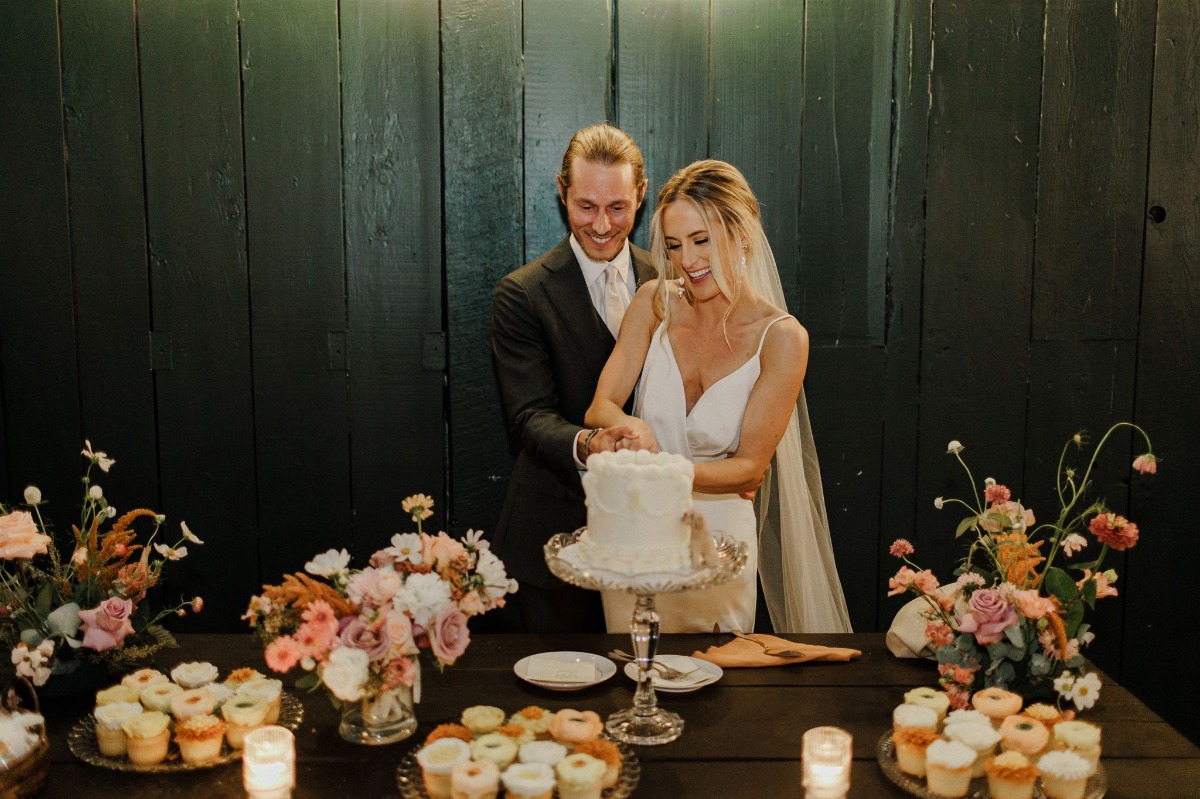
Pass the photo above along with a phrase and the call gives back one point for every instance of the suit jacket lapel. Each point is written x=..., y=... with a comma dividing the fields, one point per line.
x=642, y=265
x=567, y=291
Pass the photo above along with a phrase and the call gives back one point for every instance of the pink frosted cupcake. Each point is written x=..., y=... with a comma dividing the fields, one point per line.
x=948, y=768
x=574, y=726
x=1024, y=734
x=997, y=703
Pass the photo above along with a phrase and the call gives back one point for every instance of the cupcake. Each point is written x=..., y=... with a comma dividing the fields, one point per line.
x=117, y=693
x=579, y=776
x=219, y=691
x=449, y=731
x=996, y=703
x=519, y=733
x=982, y=738
x=939, y=701
x=475, y=780
x=965, y=716
x=110, y=738
x=270, y=690
x=159, y=696
x=907, y=715
x=548, y=752
x=1047, y=714
x=146, y=737
x=193, y=675
x=537, y=719
x=239, y=676
x=142, y=678
x=574, y=727
x=1010, y=775
x=1023, y=734
x=1081, y=738
x=1064, y=774
x=607, y=752
x=528, y=781
x=195, y=702
x=481, y=719
x=911, y=744
x=500, y=749
x=437, y=761
x=199, y=738
x=243, y=714
x=948, y=768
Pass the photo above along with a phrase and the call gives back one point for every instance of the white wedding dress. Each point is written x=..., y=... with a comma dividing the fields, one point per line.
x=710, y=432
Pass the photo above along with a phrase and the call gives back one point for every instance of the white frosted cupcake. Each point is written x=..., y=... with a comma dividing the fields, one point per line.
x=482, y=719
x=500, y=749
x=948, y=768
x=528, y=781
x=243, y=714
x=579, y=776
x=1010, y=775
x=142, y=678
x=199, y=738
x=907, y=715
x=110, y=738
x=1081, y=738
x=938, y=701
x=548, y=752
x=219, y=691
x=982, y=738
x=475, y=780
x=437, y=761
x=146, y=737
x=117, y=693
x=966, y=716
x=270, y=690
x=193, y=675
x=1064, y=775
x=159, y=696
x=196, y=702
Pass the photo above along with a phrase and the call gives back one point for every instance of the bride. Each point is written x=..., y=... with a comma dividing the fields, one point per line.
x=718, y=366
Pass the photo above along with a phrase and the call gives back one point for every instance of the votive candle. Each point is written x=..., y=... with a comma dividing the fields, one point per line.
x=269, y=763
x=825, y=757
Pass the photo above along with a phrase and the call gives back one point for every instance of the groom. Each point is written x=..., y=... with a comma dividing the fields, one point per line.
x=554, y=324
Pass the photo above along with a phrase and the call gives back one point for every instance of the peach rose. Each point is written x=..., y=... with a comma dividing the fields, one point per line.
x=20, y=537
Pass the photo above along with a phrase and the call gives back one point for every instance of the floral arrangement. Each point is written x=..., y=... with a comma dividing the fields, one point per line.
x=358, y=632
x=58, y=614
x=1014, y=615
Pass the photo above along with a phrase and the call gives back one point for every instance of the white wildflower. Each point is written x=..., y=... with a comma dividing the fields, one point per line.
x=171, y=553
x=332, y=563
x=1084, y=691
x=954, y=447
x=33, y=495
x=188, y=534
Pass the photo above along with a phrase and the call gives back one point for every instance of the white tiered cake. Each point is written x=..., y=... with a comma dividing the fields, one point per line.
x=638, y=512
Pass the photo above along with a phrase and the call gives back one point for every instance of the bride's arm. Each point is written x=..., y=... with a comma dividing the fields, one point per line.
x=784, y=362
x=621, y=372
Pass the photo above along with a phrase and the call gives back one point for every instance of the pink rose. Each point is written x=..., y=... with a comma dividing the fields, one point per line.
x=400, y=633
x=371, y=638
x=107, y=625
x=374, y=587
x=20, y=537
x=448, y=635
x=988, y=618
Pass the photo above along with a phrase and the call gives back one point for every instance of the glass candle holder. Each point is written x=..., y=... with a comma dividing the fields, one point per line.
x=825, y=758
x=269, y=763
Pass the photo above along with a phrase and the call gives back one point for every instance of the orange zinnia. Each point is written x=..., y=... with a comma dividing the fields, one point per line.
x=1018, y=558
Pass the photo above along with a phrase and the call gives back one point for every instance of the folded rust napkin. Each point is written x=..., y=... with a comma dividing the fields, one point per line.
x=740, y=653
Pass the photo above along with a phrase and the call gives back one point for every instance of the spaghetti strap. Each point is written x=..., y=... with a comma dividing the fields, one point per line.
x=763, y=339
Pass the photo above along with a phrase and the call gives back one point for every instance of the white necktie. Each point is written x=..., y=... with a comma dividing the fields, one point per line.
x=616, y=298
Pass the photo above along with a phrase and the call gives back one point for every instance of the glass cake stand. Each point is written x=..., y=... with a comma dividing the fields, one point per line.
x=645, y=723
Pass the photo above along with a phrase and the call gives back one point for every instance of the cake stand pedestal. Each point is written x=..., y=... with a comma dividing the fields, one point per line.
x=645, y=723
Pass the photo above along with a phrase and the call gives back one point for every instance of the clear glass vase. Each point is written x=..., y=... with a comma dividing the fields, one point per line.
x=384, y=717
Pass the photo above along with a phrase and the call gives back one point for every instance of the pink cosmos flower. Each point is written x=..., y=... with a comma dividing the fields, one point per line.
x=900, y=583
x=988, y=618
x=1103, y=583
x=995, y=494
x=1073, y=543
x=1146, y=464
x=1032, y=604
x=970, y=578
x=901, y=547
x=448, y=635
x=283, y=653
x=1116, y=531
x=107, y=625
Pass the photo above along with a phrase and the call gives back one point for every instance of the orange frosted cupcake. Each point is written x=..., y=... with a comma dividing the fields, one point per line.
x=537, y=719
x=449, y=731
x=911, y=745
x=1010, y=775
x=519, y=733
x=1023, y=734
x=997, y=703
x=575, y=727
x=1047, y=714
x=199, y=738
x=608, y=753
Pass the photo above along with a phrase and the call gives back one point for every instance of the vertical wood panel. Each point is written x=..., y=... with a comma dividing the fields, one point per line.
x=983, y=136
x=662, y=88
x=481, y=63
x=197, y=226
x=108, y=241
x=568, y=86
x=297, y=278
x=913, y=51
x=1095, y=120
x=392, y=150
x=37, y=326
x=1167, y=370
x=839, y=287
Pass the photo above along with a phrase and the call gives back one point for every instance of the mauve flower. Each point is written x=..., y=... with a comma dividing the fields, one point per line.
x=1116, y=531
x=107, y=625
x=400, y=633
x=20, y=537
x=1143, y=464
x=901, y=547
x=370, y=638
x=988, y=617
x=448, y=635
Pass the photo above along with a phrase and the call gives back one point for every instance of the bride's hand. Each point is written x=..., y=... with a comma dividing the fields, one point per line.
x=638, y=435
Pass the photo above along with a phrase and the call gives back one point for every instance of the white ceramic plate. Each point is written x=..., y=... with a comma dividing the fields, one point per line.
x=705, y=673
x=604, y=667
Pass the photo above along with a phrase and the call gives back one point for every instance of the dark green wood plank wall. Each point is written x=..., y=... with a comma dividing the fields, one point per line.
x=303, y=208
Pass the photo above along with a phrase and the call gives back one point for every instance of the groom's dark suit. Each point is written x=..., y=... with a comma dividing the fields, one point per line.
x=549, y=345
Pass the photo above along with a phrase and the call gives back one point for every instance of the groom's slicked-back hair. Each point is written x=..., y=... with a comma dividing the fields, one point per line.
x=605, y=145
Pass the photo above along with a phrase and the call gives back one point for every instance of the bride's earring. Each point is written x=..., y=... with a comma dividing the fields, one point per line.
x=679, y=290
x=742, y=266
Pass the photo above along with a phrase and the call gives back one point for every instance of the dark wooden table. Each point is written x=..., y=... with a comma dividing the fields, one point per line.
x=742, y=736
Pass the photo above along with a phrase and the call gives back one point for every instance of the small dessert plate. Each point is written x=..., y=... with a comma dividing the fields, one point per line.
x=704, y=673
x=565, y=671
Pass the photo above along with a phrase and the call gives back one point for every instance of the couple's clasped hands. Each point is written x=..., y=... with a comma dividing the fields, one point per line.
x=635, y=435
